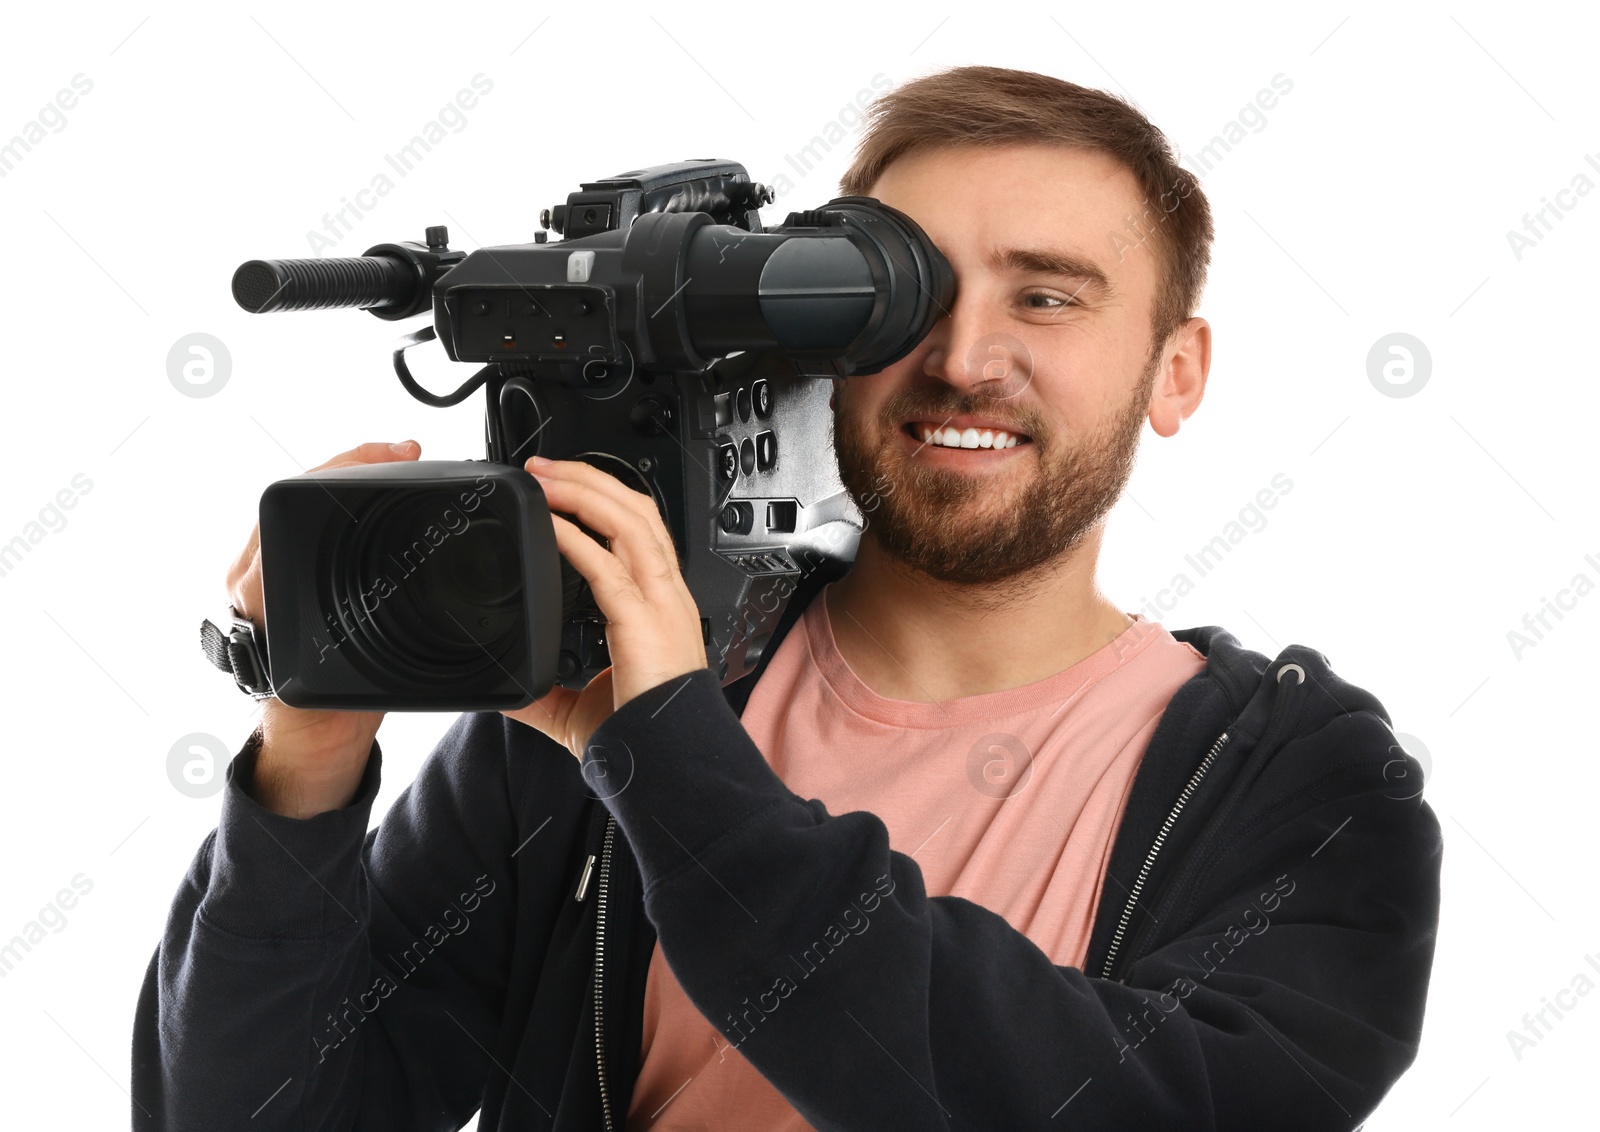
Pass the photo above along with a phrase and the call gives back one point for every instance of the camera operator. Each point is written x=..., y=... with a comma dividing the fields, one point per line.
x=972, y=847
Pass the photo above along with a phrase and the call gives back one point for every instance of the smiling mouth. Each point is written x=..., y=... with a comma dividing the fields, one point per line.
x=949, y=436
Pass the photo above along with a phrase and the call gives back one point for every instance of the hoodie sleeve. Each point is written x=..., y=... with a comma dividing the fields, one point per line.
x=311, y=976
x=1288, y=991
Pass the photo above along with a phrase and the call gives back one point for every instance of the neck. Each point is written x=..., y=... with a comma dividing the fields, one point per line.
x=908, y=636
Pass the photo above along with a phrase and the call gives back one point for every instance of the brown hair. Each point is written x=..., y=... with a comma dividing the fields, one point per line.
x=995, y=106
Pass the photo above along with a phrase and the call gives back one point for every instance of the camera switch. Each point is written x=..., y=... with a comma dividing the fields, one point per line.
x=738, y=518
x=579, y=265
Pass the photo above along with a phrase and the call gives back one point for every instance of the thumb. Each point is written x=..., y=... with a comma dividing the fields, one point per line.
x=551, y=715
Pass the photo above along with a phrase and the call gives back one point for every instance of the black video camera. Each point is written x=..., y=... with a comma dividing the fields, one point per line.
x=668, y=340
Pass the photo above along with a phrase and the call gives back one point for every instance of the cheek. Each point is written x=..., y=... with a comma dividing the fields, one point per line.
x=858, y=404
x=1089, y=379
x=1066, y=390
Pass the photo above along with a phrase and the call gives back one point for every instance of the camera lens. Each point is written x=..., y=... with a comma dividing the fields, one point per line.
x=428, y=591
x=475, y=580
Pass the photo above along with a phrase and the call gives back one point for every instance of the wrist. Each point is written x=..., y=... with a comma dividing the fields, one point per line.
x=647, y=682
x=302, y=782
x=290, y=792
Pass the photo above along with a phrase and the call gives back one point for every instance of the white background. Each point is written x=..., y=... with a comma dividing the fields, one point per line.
x=1377, y=197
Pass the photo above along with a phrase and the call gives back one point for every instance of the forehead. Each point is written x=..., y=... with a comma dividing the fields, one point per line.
x=973, y=200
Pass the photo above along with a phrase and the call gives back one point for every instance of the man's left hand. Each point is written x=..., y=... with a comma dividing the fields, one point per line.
x=653, y=625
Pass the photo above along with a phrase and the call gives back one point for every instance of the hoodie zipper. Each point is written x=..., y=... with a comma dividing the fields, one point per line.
x=1161, y=837
x=599, y=971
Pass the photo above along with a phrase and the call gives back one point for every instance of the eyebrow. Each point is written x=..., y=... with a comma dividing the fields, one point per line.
x=1051, y=262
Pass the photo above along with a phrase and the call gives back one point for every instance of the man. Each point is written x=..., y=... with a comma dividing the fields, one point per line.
x=970, y=848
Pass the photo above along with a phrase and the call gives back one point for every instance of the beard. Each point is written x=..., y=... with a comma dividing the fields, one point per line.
x=961, y=528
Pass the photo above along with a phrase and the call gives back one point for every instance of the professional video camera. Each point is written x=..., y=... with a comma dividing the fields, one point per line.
x=667, y=339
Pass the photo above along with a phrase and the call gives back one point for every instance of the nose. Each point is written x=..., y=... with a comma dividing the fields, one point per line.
x=968, y=350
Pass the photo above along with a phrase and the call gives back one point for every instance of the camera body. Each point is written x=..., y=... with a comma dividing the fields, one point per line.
x=670, y=341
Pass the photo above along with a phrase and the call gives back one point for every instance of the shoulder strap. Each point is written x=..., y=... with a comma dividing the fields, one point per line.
x=810, y=584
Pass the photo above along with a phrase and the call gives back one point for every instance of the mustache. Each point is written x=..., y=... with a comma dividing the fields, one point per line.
x=897, y=410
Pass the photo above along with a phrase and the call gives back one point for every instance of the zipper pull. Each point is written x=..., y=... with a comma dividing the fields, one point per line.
x=583, y=880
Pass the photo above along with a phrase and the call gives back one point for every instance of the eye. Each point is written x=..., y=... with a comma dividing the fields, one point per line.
x=1044, y=301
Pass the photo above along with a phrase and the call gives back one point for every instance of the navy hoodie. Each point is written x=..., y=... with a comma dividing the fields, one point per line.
x=1259, y=959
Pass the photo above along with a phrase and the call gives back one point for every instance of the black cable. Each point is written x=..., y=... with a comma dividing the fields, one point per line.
x=521, y=385
x=467, y=388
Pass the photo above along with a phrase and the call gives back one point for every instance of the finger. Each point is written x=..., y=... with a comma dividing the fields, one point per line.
x=608, y=485
x=376, y=452
x=550, y=714
x=613, y=515
x=645, y=553
x=628, y=518
x=241, y=564
x=614, y=585
x=576, y=713
x=616, y=589
x=243, y=579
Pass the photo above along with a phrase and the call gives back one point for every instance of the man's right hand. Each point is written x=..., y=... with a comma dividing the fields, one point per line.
x=311, y=760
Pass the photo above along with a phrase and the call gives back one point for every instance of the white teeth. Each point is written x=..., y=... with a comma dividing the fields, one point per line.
x=967, y=438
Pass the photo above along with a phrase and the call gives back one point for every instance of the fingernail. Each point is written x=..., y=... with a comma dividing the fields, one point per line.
x=539, y=461
x=402, y=447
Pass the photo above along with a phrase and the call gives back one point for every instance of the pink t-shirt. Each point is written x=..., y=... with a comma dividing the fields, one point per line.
x=1010, y=799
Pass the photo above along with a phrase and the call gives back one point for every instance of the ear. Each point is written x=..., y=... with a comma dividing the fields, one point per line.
x=1180, y=379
